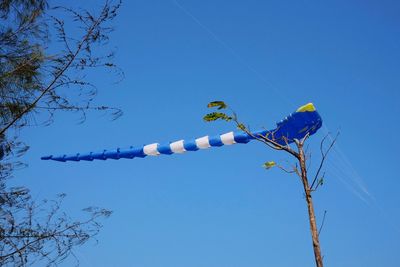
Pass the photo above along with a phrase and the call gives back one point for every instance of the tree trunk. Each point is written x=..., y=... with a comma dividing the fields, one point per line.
x=311, y=214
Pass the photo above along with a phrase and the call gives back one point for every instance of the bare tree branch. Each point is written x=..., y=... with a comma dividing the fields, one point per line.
x=322, y=224
x=324, y=155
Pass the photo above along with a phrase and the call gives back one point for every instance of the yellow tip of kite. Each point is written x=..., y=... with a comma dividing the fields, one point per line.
x=306, y=107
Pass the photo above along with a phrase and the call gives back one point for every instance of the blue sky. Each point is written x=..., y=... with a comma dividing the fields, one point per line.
x=219, y=207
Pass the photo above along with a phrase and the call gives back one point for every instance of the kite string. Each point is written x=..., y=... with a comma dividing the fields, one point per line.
x=354, y=182
x=340, y=162
x=344, y=170
x=235, y=54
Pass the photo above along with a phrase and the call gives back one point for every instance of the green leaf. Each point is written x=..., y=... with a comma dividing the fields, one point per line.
x=216, y=116
x=219, y=104
x=269, y=164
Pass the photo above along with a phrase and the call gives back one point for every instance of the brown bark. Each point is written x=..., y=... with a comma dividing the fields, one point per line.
x=311, y=213
x=300, y=156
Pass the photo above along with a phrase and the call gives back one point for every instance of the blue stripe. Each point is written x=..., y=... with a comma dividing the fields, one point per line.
x=86, y=157
x=127, y=153
x=138, y=152
x=59, y=158
x=99, y=155
x=164, y=149
x=241, y=138
x=190, y=145
x=72, y=157
x=112, y=154
x=215, y=141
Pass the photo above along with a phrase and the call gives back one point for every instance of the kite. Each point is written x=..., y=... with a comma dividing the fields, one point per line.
x=304, y=121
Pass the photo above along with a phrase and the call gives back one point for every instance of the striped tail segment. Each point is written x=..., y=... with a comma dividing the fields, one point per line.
x=305, y=120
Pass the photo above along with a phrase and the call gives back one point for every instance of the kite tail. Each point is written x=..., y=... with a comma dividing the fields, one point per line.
x=157, y=149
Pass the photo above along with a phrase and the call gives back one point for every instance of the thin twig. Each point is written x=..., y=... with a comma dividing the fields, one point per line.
x=322, y=223
x=324, y=154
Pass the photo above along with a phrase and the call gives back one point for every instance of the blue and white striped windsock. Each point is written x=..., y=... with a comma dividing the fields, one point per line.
x=305, y=120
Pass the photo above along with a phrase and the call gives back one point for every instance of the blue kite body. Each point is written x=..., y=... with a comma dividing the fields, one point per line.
x=297, y=125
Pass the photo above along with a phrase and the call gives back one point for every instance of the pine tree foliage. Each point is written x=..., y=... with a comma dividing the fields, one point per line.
x=46, y=54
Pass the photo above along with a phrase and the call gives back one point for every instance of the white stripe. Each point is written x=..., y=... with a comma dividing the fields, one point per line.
x=203, y=142
x=177, y=147
x=228, y=138
x=151, y=150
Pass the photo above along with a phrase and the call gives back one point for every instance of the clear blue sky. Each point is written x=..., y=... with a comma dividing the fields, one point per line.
x=219, y=208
